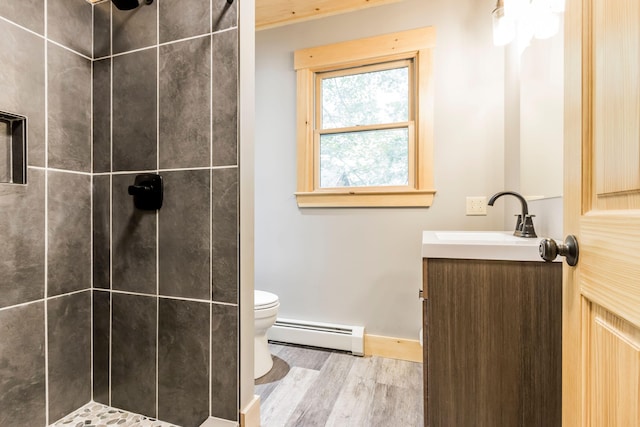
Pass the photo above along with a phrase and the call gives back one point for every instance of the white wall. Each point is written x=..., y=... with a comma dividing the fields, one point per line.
x=246, y=39
x=363, y=266
x=533, y=131
x=542, y=117
x=548, y=220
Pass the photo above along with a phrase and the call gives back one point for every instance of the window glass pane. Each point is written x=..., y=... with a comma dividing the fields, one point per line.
x=367, y=98
x=364, y=159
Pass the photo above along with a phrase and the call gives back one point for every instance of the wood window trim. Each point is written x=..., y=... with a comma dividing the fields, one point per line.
x=415, y=44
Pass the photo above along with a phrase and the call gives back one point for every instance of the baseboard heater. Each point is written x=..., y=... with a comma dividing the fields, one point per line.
x=317, y=334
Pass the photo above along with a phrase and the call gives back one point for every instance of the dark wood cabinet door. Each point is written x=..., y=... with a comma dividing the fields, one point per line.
x=493, y=337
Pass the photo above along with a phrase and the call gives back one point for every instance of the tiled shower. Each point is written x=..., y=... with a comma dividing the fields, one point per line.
x=98, y=300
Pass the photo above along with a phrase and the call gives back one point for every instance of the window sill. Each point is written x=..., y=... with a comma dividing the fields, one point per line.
x=351, y=199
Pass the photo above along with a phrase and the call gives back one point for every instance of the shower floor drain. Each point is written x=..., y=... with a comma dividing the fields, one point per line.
x=97, y=415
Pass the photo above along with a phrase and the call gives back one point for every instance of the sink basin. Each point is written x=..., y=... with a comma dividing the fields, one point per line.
x=491, y=245
x=481, y=236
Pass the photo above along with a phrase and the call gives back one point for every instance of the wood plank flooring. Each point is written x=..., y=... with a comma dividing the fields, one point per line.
x=310, y=387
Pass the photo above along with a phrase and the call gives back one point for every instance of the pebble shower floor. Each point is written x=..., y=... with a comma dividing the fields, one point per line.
x=98, y=415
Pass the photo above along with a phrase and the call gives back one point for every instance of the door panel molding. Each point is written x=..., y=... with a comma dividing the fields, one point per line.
x=614, y=367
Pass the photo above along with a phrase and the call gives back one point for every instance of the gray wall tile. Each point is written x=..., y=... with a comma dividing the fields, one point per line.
x=224, y=256
x=184, y=235
x=22, y=83
x=134, y=29
x=69, y=230
x=224, y=361
x=28, y=13
x=69, y=23
x=69, y=324
x=225, y=98
x=5, y=160
x=185, y=91
x=102, y=115
x=102, y=30
x=183, y=362
x=186, y=18
x=133, y=350
x=101, y=233
x=224, y=15
x=134, y=241
x=69, y=78
x=22, y=248
x=22, y=366
x=134, y=111
x=186, y=87
x=101, y=337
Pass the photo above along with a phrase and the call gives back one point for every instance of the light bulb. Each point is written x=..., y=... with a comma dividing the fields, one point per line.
x=504, y=29
x=557, y=6
x=514, y=9
x=526, y=29
x=546, y=25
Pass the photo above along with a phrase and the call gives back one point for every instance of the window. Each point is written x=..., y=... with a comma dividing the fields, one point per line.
x=364, y=125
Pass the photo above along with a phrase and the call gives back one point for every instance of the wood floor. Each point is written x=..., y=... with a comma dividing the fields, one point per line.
x=313, y=387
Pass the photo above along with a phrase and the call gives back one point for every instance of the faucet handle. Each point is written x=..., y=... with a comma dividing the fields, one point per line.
x=527, y=227
x=518, y=223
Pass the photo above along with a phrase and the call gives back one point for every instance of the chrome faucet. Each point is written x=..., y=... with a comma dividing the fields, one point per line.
x=524, y=223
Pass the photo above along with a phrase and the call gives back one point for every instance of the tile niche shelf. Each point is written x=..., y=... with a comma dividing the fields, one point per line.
x=13, y=148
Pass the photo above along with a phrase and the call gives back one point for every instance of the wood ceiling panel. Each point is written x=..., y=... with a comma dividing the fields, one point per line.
x=275, y=13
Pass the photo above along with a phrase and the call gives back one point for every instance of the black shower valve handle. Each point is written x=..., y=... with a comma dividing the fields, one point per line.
x=147, y=191
x=137, y=190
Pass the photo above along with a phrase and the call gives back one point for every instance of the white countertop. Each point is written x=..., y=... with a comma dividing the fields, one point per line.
x=491, y=245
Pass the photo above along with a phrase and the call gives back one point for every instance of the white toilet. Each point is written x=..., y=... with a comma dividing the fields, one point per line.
x=265, y=311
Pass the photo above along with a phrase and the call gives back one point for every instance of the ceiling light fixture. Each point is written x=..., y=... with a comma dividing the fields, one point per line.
x=504, y=29
x=522, y=20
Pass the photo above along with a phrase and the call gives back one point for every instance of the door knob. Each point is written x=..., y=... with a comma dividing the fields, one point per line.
x=549, y=249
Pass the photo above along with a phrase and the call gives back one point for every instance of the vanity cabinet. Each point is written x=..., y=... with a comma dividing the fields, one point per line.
x=492, y=342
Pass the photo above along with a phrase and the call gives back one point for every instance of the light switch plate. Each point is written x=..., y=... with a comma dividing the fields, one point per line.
x=476, y=205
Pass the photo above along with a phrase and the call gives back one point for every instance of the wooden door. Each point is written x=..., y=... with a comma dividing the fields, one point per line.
x=601, y=301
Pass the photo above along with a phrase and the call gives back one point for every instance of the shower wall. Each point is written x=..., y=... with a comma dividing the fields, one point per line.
x=99, y=300
x=45, y=226
x=165, y=303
